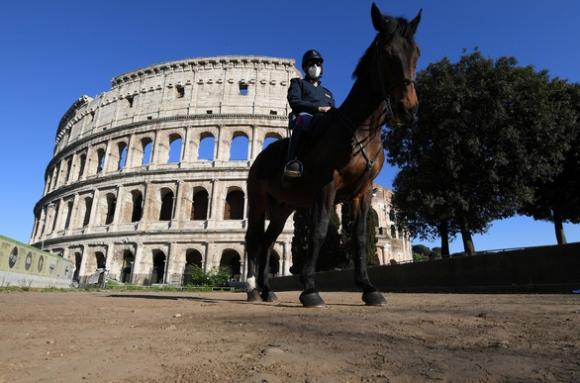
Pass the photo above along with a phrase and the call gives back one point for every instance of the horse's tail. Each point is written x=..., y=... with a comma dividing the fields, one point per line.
x=257, y=204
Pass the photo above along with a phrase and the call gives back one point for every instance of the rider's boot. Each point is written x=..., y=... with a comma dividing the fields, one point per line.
x=293, y=167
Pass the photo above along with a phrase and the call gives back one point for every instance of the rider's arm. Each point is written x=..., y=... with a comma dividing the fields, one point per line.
x=332, y=102
x=295, y=100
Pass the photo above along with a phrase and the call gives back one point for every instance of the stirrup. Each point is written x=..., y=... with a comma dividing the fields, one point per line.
x=293, y=173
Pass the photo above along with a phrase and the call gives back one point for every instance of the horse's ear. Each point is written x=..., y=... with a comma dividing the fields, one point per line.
x=415, y=23
x=379, y=21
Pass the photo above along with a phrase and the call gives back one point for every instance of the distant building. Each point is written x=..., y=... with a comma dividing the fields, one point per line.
x=144, y=180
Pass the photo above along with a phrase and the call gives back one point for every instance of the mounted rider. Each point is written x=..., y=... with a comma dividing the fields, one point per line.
x=307, y=98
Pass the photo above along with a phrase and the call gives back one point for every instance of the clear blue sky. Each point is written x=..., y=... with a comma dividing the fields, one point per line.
x=55, y=51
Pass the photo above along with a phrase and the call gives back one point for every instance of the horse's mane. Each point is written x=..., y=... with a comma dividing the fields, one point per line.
x=399, y=26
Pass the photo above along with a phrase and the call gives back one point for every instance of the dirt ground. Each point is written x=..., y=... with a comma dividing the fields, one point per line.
x=217, y=337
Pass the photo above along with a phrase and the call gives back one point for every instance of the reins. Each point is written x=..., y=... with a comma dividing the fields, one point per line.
x=386, y=114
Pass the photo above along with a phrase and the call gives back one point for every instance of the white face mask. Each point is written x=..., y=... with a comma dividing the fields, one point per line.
x=314, y=71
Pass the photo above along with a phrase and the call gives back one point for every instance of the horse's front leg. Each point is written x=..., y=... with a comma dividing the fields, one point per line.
x=360, y=208
x=320, y=215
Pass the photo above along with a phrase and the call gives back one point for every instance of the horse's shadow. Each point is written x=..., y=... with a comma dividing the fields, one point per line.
x=283, y=305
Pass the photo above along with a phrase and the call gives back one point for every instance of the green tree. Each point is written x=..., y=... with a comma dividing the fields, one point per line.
x=487, y=134
x=330, y=255
x=558, y=199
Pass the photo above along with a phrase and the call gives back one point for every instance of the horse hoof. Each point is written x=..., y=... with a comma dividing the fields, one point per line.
x=253, y=296
x=269, y=297
x=311, y=299
x=374, y=298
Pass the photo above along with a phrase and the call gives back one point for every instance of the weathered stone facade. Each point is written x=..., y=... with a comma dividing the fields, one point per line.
x=128, y=187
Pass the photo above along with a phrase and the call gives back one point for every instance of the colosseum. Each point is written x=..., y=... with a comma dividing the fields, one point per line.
x=150, y=176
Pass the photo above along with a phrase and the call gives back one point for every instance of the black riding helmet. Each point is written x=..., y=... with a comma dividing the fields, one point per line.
x=310, y=56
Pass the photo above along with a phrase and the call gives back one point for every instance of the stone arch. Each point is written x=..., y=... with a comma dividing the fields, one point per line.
x=127, y=267
x=136, y=205
x=200, y=204
x=85, y=211
x=275, y=263
x=142, y=151
x=97, y=260
x=167, y=201
x=100, y=159
x=78, y=261
x=239, y=147
x=68, y=215
x=193, y=259
x=82, y=164
x=55, y=173
x=111, y=205
x=206, y=149
x=122, y=150
x=234, y=206
x=159, y=265
x=166, y=141
x=69, y=165
x=270, y=138
x=55, y=216
x=230, y=262
x=175, y=148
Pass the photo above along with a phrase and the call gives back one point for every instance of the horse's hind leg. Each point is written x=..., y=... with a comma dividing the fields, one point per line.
x=278, y=215
x=360, y=207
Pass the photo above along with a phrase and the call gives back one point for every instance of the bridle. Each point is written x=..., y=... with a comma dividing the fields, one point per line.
x=387, y=113
x=386, y=93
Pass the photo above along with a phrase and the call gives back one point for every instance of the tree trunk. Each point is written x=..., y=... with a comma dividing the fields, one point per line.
x=444, y=234
x=559, y=227
x=467, y=241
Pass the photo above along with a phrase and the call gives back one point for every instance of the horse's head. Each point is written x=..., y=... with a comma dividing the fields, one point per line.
x=395, y=59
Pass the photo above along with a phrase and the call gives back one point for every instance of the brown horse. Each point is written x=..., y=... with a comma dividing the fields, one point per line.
x=339, y=164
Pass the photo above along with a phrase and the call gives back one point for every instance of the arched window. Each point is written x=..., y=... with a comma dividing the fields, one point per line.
x=174, y=149
x=111, y=205
x=373, y=219
x=234, y=208
x=87, y=216
x=392, y=216
x=68, y=169
x=100, y=160
x=69, y=209
x=146, y=145
x=137, y=200
x=239, y=147
x=78, y=260
x=274, y=263
x=122, y=150
x=127, y=270
x=230, y=263
x=55, y=176
x=393, y=231
x=56, y=210
x=206, y=147
x=270, y=138
x=101, y=260
x=83, y=161
x=199, y=205
x=166, y=212
x=158, y=266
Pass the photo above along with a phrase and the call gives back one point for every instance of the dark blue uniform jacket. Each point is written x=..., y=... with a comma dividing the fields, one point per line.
x=305, y=97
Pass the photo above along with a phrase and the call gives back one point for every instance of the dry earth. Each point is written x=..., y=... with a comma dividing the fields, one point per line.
x=216, y=337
